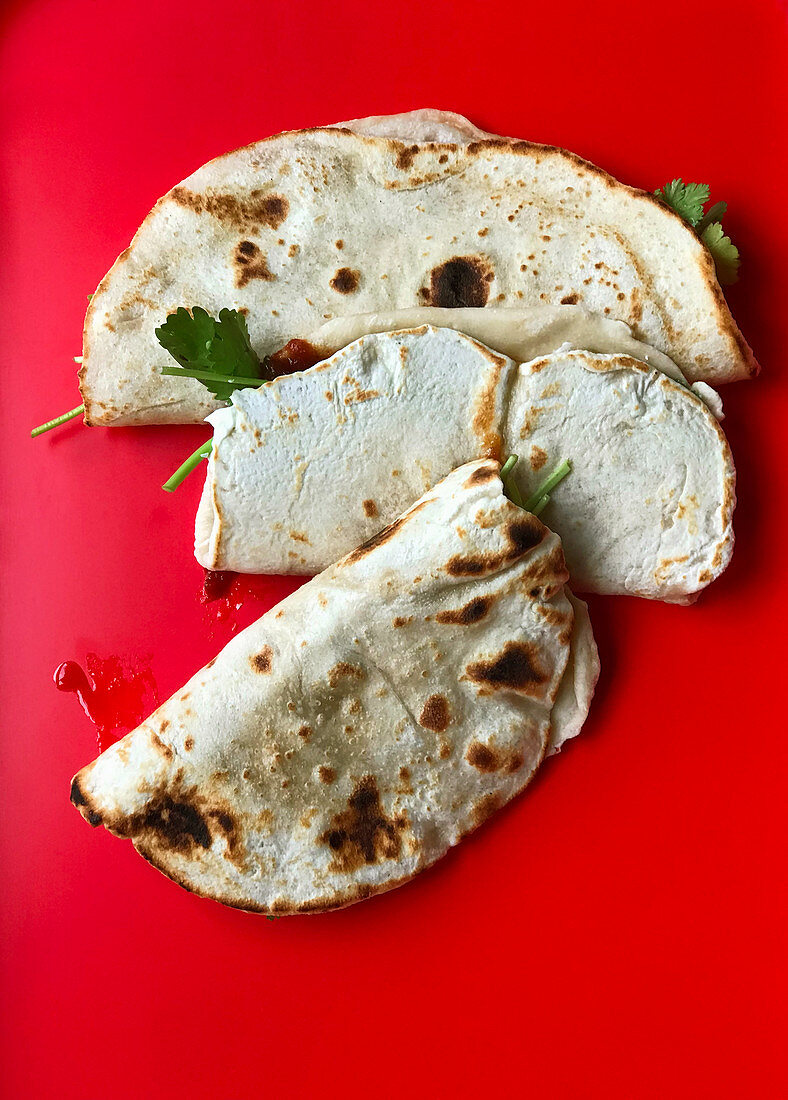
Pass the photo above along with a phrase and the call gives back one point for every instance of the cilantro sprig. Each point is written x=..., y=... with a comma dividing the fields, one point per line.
x=688, y=201
x=539, y=499
x=217, y=352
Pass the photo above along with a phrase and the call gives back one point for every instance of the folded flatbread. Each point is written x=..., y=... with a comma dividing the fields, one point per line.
x=315, y=224
x=309, y=466
x=356, y=732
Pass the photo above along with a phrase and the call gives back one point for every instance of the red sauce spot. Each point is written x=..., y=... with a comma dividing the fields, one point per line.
x=294, y=356
x=216, y=584
x=115, y=694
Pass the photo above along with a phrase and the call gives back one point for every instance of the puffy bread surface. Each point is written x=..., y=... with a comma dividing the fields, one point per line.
x=357, y=731
x=308, y=467
x=314, y=224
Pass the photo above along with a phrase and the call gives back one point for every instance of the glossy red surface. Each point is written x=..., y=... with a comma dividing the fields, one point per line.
x=619, y=931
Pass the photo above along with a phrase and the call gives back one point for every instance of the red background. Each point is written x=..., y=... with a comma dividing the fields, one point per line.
x=620, y=930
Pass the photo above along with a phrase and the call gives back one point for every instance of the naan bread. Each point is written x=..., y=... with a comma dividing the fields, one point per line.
x=311, y=465
x=314, y=224
x=356, y=732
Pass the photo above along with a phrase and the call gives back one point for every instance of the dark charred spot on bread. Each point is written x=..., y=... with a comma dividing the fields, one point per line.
x=553, y=616
x=472, y=612
x=178, y=824
x=361, y=833
x=250, y=263
x=305, y=732
x=327, y=774
x=482, y=757
x=405, y=156
x=460, y=281
x=345, y=280
x=485, y=808
x=161, y=747
x=545, y=576
x=515, y=668
x=78, y=799
x=262, y=661
x=488, y=759
x=522, y=535
x=482, y=475
x=435, y=714
x=370, y=508
x=340, y=244
x=401, y=620
x=381, y=536
x=343, y=670
x=254, y=209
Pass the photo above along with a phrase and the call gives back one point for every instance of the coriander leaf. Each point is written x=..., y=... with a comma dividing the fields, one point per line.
x=724, y=252
x=216, y=352
x=686, y=199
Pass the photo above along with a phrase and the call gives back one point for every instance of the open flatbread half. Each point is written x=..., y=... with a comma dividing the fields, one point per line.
x=315, y=224
x=306, y=468
x=373, y=719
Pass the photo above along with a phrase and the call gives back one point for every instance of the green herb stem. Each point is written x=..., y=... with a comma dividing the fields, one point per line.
x=508, y=466
x=540, y=505
x=58, y=420
x=210, y=376
x=535, y=499
x=191, y=463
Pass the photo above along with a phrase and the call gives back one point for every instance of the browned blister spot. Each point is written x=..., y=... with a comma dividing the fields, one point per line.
x=405, y=157
x=345, y=280
x=343, y=670
x=482, y=475
x=538, y=457
x=327, y=774
x=486, y=758
x=405, y=787
x=160, y=746
x=361, y=833
x=522, y=535
x=255, y=208
x=250, y=263
x=382, y=536
x=188, y=744
x=370, y=508
x=78, y=799
x=515, y=668
x=472, y=612
x=401, y=620
x=460, y=281
x=570, y=299
x=435, y=714
x=262, y=661
x=305, y=732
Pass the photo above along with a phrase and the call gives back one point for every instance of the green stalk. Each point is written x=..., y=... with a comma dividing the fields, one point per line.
x=58, y=420
x=210, y=376
x=547, y=486
x=509, y=485
x=191, y=463
x=539, y=507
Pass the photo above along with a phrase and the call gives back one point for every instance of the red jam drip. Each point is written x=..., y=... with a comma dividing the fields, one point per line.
x=115, y=695
x=216, y=584
x=295, y=355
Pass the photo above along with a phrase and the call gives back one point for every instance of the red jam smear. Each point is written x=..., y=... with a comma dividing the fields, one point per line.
x=294, y=356
x=116, y=694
